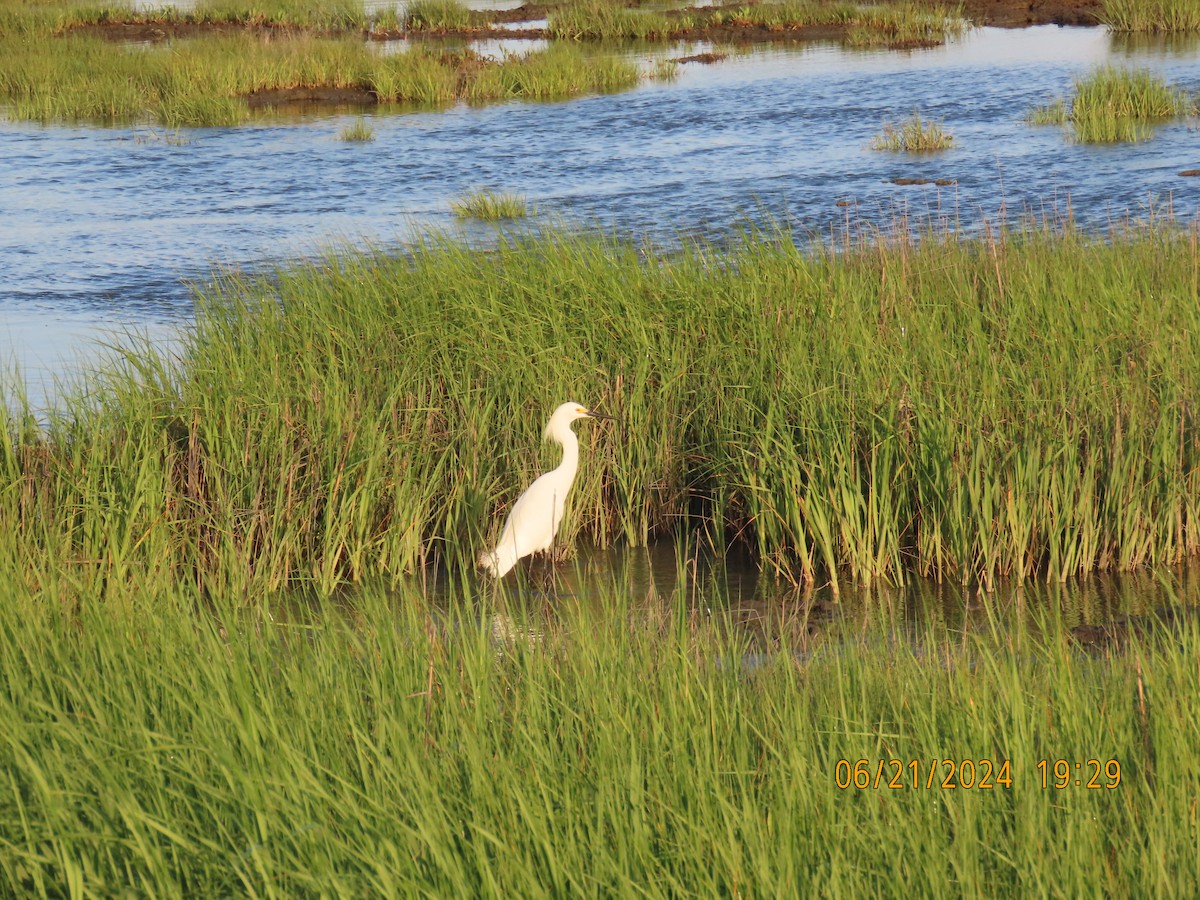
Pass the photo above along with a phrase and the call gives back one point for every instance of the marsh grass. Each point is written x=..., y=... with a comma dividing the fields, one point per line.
x=1053, y=113
x=966, y=409
x=377, y=747
x=1158, y=16
x=914, y=135
x=53, y=69
x=902, y=24
x=1113, y=105
x=206, y=81
x=865, y=25
x=438, y=15
x=610, y=20
x=338, y=15
x=561, y=70
x=357, y=131
x=490, y=206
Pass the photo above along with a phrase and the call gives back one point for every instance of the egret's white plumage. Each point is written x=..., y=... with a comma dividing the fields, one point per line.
x=534, y=519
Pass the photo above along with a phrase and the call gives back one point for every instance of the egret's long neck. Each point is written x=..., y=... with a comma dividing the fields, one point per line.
x=570, y=460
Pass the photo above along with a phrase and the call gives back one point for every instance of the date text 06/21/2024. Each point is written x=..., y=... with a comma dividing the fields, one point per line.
x=979, y=774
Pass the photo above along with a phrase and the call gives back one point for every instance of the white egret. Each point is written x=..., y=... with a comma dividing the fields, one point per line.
x=535, y=517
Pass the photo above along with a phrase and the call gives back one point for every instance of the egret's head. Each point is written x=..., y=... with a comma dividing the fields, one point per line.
x=566, y=414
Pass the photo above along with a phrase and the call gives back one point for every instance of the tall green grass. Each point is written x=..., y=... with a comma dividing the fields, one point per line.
x=913, y=135
x=438, y=15
x=1163, y=16
x=1015, y=405
x=490, y=206
x=1053, y=113
x=1112, y=105
x=870, y=24
x=864, y=24
x=609, y=20
x=1121, y=105
x=356, y=132
x=382, y=748
x=206, y=81
x=337, y=15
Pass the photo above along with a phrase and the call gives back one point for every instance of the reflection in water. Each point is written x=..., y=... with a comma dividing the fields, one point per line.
x=1161, y=46
x=497, y=49
x=98, y=224
x=53, y=353
x=375, y=7
x=665, y=585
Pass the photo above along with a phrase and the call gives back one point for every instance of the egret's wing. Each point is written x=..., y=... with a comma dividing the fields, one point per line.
x=534, y=518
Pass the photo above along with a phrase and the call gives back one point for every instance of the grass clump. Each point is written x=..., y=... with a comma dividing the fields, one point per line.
x=1053, y=113
x=490, y=206
x=438, y=15
x=1115, y=104
x=357, y=131
x=338, y=15
x=561, y=70
x=1112, y=105
x=900, y=24
x=914, y=135
x=1153, y=16
x=611, y=20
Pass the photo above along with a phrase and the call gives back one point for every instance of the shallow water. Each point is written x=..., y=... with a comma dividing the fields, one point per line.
x=102, y=229
x=665, y=581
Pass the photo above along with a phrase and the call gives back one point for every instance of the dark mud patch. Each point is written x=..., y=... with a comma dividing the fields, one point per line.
x=703, y=58
x=325, y=96
x=1022, y=13
x=530, y=12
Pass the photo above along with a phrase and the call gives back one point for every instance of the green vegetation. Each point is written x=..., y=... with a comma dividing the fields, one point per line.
x=159, y=744
x=491, y=206
x=439, y=15
x=359, y=130
x=337, y=15
x=1123, y=105
x=67, y=61
x=51, y=70
x=610, y=20
x=206, y=81
x=1053, y=113
x=1111, y=105
x=561, y=70
x=865, y=25
x=902, y=25
x=913, y=136
x=1165, y=16
x=1013, y=406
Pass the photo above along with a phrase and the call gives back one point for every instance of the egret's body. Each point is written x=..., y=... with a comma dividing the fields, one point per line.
x=534, y=519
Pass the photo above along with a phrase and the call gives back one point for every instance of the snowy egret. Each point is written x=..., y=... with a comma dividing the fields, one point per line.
x=536, y=515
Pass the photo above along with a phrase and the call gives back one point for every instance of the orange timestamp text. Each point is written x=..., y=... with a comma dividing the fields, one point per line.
x=980, y=774
x=914, y=774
